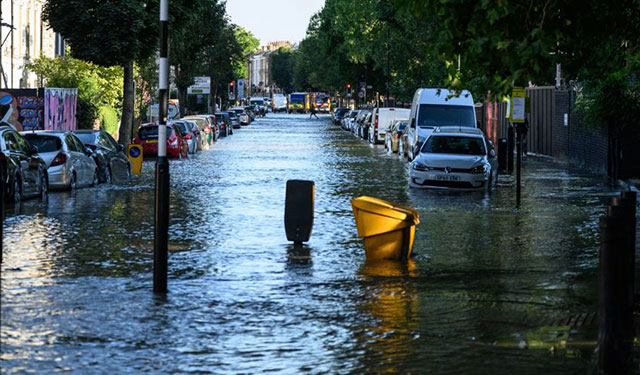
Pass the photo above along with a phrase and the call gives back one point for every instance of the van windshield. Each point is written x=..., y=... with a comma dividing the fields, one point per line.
x=446, y=115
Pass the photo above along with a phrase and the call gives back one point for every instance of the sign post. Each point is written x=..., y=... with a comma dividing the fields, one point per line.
x=517, y=117
x=161, y=217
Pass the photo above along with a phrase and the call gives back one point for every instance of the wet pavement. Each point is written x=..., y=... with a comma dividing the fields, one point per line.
x=483, y=294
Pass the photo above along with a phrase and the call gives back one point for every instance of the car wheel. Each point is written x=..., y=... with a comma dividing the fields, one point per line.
x=107, y=176
x=44, y=188
x=95, y=181
x=17, y=189
x=73, y=184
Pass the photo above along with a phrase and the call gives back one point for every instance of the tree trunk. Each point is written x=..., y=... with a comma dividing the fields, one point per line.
x=182, y=98
x=127, y=106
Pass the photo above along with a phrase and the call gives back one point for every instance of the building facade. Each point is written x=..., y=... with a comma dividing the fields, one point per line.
x=25, y=37
x=260, y=81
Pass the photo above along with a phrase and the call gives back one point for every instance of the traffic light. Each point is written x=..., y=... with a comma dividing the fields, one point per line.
x=232, y=93
x=348, y=89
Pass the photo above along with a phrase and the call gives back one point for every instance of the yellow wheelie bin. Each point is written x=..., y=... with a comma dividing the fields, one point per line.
x=388, y=229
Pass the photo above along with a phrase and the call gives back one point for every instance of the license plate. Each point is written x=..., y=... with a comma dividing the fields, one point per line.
x=152, y=141
x=447, y=178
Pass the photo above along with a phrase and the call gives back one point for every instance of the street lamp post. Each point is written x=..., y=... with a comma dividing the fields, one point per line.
x=161, y=217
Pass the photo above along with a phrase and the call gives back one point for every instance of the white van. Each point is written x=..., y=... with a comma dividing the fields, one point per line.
x=382, y=119
x=279, y=103
x=432, y=108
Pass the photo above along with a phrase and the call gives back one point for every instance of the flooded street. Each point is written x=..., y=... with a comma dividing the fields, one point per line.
x=483, y=293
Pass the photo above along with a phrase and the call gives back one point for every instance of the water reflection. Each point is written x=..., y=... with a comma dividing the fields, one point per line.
x=76, y=281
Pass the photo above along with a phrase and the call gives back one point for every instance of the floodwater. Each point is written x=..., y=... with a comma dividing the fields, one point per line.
x=483, y=293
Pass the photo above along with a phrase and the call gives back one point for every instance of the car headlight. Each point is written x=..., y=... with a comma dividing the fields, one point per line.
x=481, y=169
x=420, y=167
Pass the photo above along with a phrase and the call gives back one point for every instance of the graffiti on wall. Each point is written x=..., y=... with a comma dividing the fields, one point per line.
x=60, y=109
x=22, y=108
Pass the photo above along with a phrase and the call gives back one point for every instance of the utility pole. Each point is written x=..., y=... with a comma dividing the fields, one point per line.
x=161, y=245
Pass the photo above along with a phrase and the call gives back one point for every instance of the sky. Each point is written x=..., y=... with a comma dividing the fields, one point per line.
x=274, y=20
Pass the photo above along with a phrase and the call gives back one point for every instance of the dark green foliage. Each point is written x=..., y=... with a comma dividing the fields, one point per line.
x=105, y=32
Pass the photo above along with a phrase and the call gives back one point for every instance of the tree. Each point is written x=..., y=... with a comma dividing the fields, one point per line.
x=282, y=68
x=99, y=90
x=248, y=44
x=108, y=33
x=502, y=44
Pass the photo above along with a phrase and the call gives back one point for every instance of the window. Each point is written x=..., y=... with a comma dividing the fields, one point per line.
x=114, y=144
x=103, y=141
x=454, y=145
x=23, y=145
x=10, y=142
x=44, y=143
x=446, y=115
x=71, y=144
x=79, y=145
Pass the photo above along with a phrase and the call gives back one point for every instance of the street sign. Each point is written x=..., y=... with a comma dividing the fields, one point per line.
x=241, y=89
x=201, y=85
x=135, y=159
x=517, y=106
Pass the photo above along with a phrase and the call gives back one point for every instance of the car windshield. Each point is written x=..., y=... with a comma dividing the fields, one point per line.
x=86, y=138
x=151, y=132
x=232, y=114
x=44, y=143
x=445, y=115
x=454, y=145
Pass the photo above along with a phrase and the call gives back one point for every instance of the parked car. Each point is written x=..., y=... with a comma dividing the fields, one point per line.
x=348, y=119
x=432, y=108
x=455, y=157
x=233, y=118
x=404, y=142
x=69, y=162
x=208, y=135
x=148, y=138
x=184, y=128
x=242, y=116
x=224, y=122
x=112, y=162
x=393, y=135
x=339, y=114
x=382, y=119
x=26, y=172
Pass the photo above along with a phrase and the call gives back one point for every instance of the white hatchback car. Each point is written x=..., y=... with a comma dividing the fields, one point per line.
x=455, y=158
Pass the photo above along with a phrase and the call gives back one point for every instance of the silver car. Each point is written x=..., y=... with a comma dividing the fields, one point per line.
x=184, y=128
x=70, y=164
x=455, y=158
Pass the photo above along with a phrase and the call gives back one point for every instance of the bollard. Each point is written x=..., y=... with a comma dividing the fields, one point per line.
x=298, y=211
x=503, y=146
x=616, y=287
x=511, y=137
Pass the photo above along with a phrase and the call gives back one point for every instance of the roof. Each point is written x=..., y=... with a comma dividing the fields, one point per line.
x=444, y=96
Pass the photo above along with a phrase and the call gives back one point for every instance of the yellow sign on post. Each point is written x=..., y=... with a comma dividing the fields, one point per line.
x=135, y=158
x=517, y=105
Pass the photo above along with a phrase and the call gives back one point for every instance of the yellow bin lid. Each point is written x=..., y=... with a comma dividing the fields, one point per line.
x=375, y=216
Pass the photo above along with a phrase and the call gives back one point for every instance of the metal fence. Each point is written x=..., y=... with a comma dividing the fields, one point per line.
x=539, y=138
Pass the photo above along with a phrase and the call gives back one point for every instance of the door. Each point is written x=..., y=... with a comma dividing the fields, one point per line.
x=20, y=151
x=118, y=161
x=75, y=160
x=88, y=165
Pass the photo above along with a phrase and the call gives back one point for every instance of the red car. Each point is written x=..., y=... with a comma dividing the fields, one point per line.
x=148, y=138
